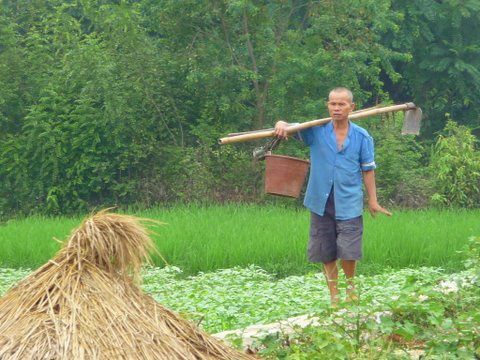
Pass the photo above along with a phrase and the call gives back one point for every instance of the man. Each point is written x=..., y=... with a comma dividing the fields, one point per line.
x=340, y=152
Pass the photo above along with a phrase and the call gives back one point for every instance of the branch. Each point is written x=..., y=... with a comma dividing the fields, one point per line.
x=227, y=40
x=162, y=116
x=250, y=52
x=182, y=137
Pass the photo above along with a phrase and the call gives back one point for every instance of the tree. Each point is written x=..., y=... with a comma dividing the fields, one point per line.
x=443, y=76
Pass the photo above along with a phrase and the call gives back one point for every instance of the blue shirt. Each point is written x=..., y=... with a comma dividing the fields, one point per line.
x=341, y=169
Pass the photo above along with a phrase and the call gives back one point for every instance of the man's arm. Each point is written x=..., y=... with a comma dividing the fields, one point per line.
x=305, y=135
x=373, y=206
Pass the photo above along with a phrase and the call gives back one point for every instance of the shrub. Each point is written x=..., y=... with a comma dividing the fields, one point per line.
x=456, y=164
x=402, y=177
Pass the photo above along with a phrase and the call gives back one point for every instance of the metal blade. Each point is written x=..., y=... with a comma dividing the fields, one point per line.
x=260, y=152
x=411, y=123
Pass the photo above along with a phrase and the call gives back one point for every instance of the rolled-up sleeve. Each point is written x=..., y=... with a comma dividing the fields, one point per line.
x=367, y=157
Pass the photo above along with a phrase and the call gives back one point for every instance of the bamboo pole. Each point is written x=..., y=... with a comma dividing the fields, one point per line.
x=260, y=134
x=270, y=129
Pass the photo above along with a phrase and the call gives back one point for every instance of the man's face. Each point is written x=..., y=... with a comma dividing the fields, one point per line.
x=339, y=106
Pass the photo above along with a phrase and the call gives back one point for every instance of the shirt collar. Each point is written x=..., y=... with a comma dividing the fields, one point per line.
x=333, y=140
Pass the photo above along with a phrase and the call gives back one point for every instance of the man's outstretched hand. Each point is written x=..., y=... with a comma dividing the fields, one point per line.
x=374, y=208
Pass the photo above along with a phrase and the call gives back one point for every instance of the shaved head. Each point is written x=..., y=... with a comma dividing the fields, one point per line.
x=342, y=90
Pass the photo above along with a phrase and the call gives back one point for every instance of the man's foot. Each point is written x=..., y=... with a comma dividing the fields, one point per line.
x=351, y=295
x=334, y=301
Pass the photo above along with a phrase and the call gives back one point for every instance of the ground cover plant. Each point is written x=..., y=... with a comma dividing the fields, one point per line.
x=274, y=238
x=422, y=309
x=424, y=315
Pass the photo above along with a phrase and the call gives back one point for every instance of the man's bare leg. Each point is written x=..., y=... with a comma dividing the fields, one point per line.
x=348, y=267
x=331, y=274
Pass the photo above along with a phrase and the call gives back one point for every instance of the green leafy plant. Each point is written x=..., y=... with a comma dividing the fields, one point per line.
x=402, y=177
x=456, y=164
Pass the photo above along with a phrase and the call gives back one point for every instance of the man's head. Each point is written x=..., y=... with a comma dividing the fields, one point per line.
x=340, y=103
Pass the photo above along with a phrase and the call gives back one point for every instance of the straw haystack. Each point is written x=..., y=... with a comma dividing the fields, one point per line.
x=86, y=303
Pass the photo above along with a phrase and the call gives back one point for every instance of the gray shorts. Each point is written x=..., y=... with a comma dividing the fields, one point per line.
x=332, y=239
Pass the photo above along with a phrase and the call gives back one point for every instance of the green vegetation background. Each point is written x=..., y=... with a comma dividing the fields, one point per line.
x=117, y=102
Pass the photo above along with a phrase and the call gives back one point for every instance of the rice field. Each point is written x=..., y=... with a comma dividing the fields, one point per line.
x=202, y=239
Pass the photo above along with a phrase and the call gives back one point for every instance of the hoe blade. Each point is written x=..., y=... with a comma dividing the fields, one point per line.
x=411, y=123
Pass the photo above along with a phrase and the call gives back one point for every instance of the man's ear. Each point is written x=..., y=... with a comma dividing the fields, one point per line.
x=353, y=106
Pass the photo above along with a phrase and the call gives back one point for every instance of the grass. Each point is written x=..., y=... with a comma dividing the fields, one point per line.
x=201, y=239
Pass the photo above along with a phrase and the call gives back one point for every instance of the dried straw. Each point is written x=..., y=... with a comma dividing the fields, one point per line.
x=85, y=303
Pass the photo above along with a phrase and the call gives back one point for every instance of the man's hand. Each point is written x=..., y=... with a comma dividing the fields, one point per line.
x=281, y=129
x=374, y=208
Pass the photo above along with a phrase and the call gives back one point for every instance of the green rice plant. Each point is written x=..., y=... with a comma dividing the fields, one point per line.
x=201, y=239
x=30, y=242
x=418, y=238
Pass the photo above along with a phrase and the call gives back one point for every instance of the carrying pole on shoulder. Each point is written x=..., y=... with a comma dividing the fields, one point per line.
x=411, y=124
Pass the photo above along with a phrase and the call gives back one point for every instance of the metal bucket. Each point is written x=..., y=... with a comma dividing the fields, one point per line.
x=285, y=175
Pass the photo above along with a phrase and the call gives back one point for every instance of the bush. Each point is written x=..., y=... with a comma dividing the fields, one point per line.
x=456, y=164
x=402, y=177
x=201, y=174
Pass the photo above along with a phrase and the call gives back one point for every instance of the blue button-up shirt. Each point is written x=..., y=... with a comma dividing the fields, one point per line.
x=337, y=168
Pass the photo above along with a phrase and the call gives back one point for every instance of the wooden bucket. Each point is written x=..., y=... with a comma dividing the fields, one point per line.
x=285, y=175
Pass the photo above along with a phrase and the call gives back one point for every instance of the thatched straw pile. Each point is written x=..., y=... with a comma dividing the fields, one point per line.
x=86, y=303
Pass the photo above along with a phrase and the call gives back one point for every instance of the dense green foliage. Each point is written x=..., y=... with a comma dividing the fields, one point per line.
x=443, y=75
x=107, y=102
